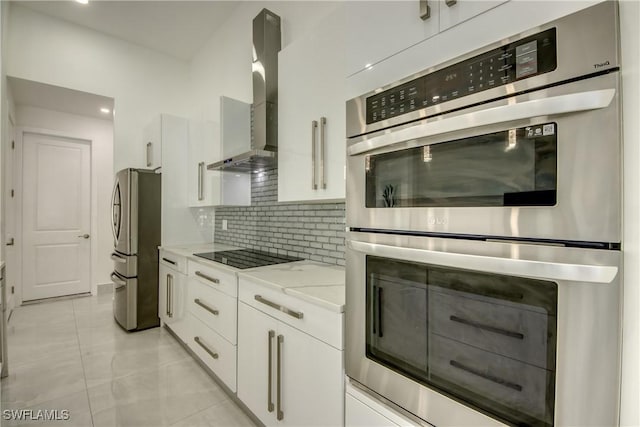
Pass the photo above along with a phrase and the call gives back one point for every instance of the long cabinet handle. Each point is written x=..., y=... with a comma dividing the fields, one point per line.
x=323, y=125
x=292, y=313
x=209, y=278
x=501, y=331
x=450, y=3
x=201, y=181
x=149, y=154
x=314, y=126
x=561, y=104
x=169, y=261
x=199, y=341
x=279, y=412
x=270, y=405
x=206, y=307
x=167, y=295
x=170, y=297
x=425, y=10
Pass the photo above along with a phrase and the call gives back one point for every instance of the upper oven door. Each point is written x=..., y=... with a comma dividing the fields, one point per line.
x=543, y=165
x=453, y=329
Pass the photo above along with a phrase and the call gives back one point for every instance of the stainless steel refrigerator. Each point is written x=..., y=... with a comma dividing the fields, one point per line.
x=136, y=232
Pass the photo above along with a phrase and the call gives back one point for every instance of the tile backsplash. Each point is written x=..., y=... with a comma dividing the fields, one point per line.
x=307, y=230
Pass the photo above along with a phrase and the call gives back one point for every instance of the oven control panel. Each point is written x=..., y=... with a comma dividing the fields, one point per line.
x=519, y=60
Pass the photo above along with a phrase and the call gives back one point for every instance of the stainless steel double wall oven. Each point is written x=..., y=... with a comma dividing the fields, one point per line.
x=484, y=209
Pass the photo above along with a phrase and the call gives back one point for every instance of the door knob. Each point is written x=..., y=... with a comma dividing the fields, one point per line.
x=84, y=236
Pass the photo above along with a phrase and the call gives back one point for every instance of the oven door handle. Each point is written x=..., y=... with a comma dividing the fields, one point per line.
x=550, y=106
x=509, y=266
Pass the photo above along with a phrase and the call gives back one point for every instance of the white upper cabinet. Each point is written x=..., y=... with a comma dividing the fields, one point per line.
x=210, y=142
x=235, y=128
x=311, y=114
x=204, y=148
x=377, y=30
x=152, y=143
x=454, y=12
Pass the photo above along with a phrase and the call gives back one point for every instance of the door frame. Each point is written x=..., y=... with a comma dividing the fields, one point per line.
x=20, y=131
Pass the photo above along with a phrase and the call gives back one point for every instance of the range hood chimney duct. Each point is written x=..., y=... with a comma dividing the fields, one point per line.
x=264, y=141
x=266, y=45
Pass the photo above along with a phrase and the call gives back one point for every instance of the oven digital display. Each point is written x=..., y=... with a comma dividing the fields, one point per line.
x=525, y=58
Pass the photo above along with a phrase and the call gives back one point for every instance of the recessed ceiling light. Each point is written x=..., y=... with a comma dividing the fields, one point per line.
x=83, y=1
x=105, y=110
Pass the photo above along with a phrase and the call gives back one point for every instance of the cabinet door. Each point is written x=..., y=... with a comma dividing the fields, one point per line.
x=311, y=378
x=164, y=279
x=256, y=378
x=459, y=11
x=379, y=29
x=204, y=148
x=152, y=144
x=178, y=308
x=311, y=87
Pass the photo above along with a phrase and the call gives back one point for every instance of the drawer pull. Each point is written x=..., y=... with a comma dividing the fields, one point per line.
x=206, y=307
x=209, y=278
x=293, y=313
x=212, y=353
x=505, y=332
x=169, y=261
x=492, y=378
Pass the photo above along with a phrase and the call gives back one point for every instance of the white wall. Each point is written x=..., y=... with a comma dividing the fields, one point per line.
x=100, y=133
x=143, y=82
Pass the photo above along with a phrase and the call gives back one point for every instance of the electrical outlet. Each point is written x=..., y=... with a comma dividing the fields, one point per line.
x=224, y=224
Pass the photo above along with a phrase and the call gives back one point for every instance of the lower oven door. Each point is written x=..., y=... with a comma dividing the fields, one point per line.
x=463, y=332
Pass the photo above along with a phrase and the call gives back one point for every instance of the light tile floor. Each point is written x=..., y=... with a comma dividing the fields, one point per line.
x=71, y=355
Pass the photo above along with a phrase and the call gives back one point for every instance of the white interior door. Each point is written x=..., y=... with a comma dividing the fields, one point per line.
x=56, y=214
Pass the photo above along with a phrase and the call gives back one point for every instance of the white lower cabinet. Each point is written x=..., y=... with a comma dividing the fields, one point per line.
x=212, y=319
x=172, y=293
x=213, y=350
x=285, y=376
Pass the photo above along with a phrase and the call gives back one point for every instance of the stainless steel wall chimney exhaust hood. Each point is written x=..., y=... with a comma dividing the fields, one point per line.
x=264, y=143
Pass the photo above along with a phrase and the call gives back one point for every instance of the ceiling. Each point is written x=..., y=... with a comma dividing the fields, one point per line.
x=177, y=28
x=27, y=92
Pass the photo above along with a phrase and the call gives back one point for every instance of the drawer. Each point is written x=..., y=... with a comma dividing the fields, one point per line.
x=489, y=379
x=223, y=281
x=316, y=321
x=512, y=330
x=213, y=350
x=217, y=310
x=171, y=260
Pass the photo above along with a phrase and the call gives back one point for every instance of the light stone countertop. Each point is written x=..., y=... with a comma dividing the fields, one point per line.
x=318, y=283
x=315, y=282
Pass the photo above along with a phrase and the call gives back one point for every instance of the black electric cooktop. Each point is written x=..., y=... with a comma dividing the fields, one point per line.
x=246, y=258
